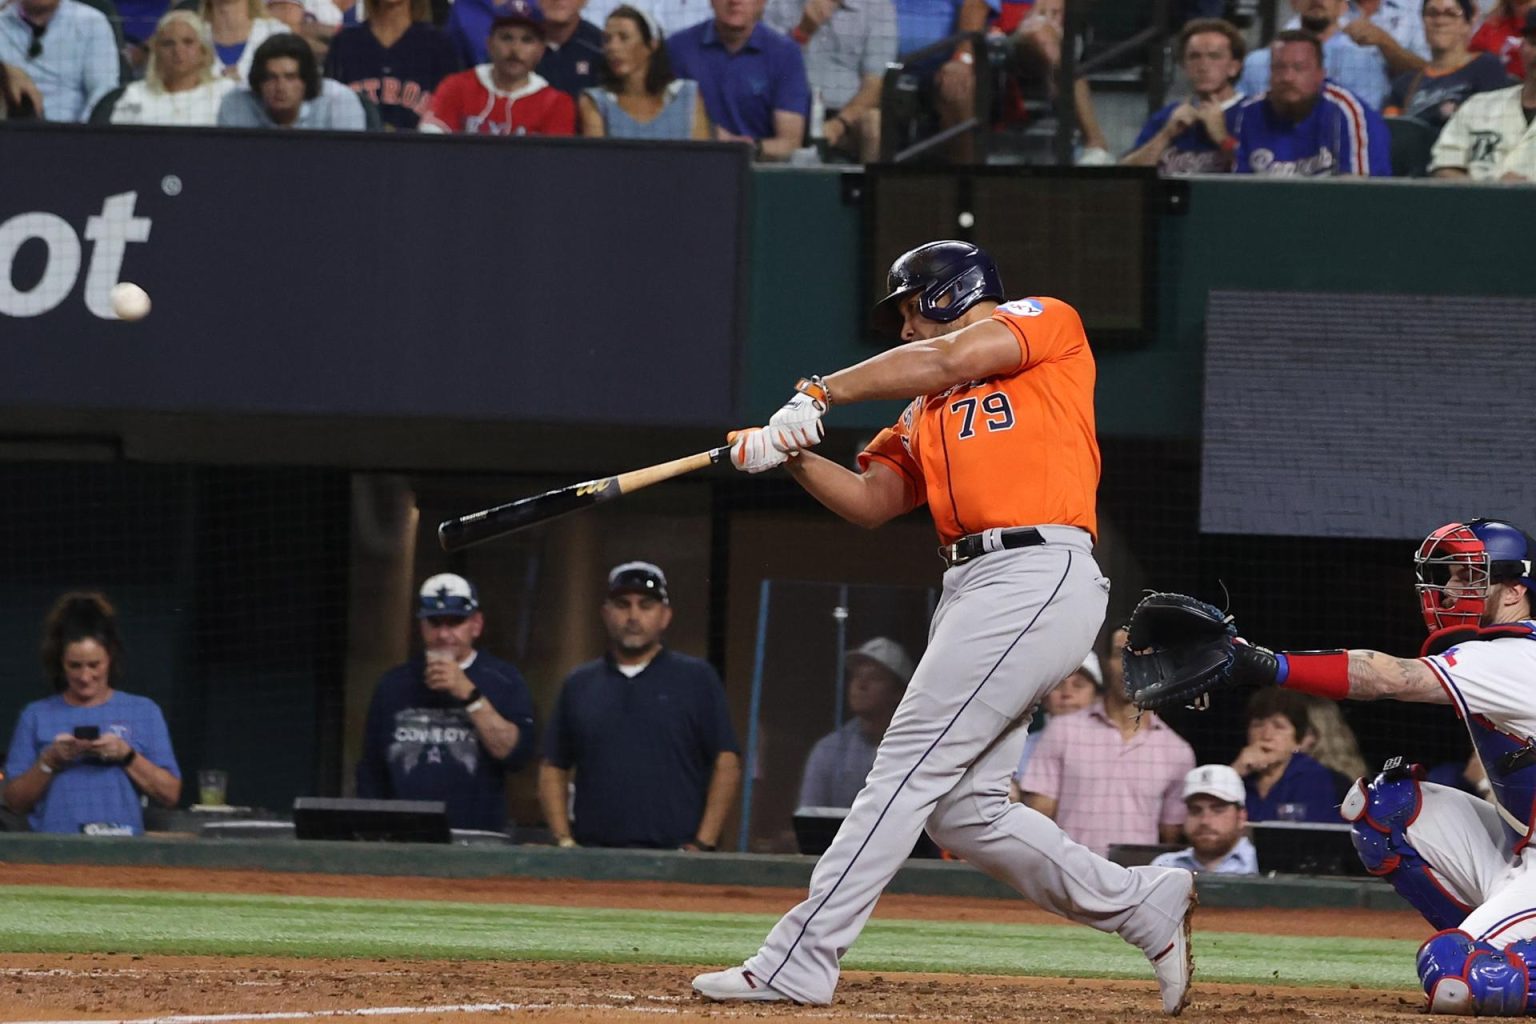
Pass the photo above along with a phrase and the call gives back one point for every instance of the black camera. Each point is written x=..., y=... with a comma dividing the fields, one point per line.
x=87, y=732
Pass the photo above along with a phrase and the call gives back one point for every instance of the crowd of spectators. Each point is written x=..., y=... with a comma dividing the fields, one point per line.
x=1317, y=100
x=1346, y=87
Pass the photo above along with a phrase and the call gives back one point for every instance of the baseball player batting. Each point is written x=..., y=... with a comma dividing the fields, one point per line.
x=1455, y=857
x=999, y=442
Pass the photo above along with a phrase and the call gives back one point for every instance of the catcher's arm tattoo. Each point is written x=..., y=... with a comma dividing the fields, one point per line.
x=1377, y=676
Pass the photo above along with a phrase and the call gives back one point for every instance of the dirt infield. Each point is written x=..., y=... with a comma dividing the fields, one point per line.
x=76, y=987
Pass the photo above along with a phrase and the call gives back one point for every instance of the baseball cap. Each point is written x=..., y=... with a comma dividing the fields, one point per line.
x=518, y=12
x=1091, y=668
x=447, y=594
x=638, y=578
x=886, y=653
x=1217, y=780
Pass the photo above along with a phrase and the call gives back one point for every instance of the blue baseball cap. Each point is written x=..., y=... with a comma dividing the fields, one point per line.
x=447, y=595
x=518, y=12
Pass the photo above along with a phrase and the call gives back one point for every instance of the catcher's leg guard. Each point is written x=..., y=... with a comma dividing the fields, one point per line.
x=1465, y=976
x=1381, y=811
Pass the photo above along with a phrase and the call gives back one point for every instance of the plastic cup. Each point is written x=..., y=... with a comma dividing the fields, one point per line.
x=212, y=787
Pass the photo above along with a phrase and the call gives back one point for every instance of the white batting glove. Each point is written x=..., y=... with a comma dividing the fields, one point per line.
x=753, y=452
x=797, y=424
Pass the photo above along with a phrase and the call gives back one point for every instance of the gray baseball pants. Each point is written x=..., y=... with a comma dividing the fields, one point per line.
x=1009, y=626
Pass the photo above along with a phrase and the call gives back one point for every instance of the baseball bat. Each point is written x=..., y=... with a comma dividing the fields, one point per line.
x=488, y=524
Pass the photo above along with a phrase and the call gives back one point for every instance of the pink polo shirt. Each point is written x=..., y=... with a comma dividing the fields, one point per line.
x=1108, y=789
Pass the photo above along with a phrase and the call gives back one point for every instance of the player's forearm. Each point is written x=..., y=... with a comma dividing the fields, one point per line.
x=845, y=492
x=1375, y=676
x=1341, y=675
x=975, y=352
x=554, y=786
x=723, y=785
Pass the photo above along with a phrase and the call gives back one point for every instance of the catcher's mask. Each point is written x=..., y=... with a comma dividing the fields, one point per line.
x=949, y=278
x=1457, y=563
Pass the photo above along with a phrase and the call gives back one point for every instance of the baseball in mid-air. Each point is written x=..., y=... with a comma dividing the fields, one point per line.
x=129, y=301
x=966, y=218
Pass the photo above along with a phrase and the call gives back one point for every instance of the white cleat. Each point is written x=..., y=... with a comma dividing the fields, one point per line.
x=736, y=984
x=1174, y=963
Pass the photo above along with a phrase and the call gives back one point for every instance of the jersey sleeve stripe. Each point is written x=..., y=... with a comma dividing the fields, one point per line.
x=1354, y=119
x=1437, y=665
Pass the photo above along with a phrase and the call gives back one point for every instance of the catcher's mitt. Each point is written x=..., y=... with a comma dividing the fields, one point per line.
x=1179, y=649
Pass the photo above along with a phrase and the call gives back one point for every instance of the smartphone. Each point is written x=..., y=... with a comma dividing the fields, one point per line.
x=87, y=732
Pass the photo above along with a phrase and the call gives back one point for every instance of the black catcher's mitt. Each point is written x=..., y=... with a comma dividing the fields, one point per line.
x=1180, y=648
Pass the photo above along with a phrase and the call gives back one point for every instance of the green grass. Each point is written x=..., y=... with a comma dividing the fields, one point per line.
x=61, y=920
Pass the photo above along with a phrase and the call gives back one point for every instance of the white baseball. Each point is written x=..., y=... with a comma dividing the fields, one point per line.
x=966, y=219
x=129, y=301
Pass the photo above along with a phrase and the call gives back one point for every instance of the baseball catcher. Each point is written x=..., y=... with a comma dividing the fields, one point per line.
x=1455, y=857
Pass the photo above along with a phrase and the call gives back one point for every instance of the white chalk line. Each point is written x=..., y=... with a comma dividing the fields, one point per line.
x=386, y=1011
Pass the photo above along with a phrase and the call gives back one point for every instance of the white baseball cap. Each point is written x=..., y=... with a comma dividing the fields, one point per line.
x=1090, y=668
x=1217, y=780
x=447, y=595
x=886, y=653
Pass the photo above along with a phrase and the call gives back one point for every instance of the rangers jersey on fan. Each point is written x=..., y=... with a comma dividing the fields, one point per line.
x=1340, y=135
x=1192, y=151
x=469, y=102
x=1492, y=685
x=1488, y=138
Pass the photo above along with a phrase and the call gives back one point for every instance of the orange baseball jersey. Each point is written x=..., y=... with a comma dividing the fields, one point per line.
x=1014, y=450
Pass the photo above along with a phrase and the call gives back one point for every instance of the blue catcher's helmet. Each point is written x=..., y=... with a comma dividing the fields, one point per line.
x=1456, y=563
x=950, y=277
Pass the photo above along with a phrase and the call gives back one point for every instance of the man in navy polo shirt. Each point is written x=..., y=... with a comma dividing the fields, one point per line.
x=751, y=77
x=451, y=722
x=573, y=48
x=644, y=729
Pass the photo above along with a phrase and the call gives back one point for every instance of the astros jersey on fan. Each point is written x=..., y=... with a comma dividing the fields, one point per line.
x=1016, y=449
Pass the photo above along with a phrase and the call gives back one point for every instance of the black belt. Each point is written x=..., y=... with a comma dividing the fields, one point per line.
x=974, y=545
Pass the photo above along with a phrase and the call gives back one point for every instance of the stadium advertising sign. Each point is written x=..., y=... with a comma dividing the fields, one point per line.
x=370, y=275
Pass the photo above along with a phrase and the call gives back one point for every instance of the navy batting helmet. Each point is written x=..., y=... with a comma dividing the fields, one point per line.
x=949, y=278
x=1456, y=563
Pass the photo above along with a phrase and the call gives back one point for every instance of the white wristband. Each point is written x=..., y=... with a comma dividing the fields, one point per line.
x=42, y=766
x=474, y=706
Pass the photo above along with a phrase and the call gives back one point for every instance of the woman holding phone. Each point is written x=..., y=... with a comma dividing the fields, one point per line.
x=80, y=759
